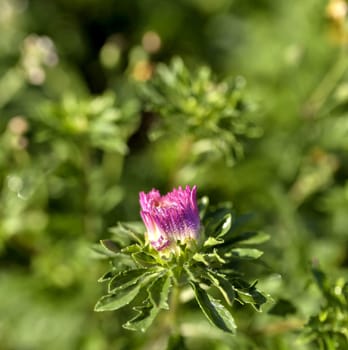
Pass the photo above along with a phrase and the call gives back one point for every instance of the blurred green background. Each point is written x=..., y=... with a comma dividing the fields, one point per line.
x=93, y=109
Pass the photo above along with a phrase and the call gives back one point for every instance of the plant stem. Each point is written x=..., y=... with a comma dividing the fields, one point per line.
x=174, y=307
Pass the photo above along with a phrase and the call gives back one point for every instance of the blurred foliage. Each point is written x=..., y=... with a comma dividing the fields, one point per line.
x=84, y=88
x=329, y=328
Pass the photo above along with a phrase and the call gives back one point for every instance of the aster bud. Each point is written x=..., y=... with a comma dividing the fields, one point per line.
x=170, y=218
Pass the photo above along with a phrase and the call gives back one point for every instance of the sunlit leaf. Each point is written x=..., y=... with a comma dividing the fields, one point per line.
x=215, y=312
x=118, y=299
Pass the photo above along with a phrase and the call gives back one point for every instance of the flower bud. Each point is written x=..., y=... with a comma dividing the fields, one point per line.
x=170, y=218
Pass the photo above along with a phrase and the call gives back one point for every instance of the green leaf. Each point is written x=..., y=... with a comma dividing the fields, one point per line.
x=249, y=294
x=99, y=251
x=118, y=299
x=110, y=245
x=144, y=259
x=211, y=241
x=250, y=238
x=209, y=258
x=133, y=248
x=226, y=225
x=218, y=222
x=144, y=318
x=106, y=277
x=243, y=253
x=159, y=291
x=224, y=286
x=214, y=311
x=125, y=279
x=124, y=235
x=201, y=258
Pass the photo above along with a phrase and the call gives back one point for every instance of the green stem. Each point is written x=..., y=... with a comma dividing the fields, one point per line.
x=174, y=307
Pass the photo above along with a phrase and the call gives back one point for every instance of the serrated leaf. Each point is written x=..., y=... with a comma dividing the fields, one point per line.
x=159, y=291
x=244, y=253
x=214, y=311
x=120, y=298
x=144, y=318
x=125, y=279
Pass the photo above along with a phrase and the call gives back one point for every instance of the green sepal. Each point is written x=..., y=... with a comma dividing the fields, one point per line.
x=215, y=312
